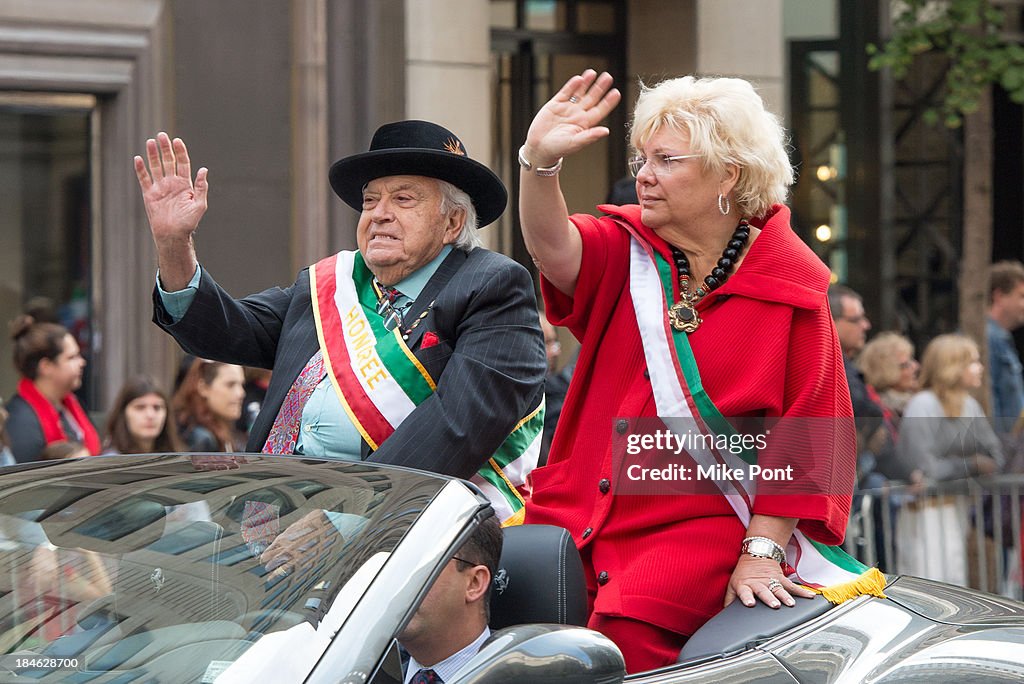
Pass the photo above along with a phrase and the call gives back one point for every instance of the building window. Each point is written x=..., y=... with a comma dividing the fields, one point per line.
x=46, y=224
x=536, y=45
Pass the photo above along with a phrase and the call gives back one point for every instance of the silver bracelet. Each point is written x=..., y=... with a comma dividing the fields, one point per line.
x=540, y=170
x=763, y=547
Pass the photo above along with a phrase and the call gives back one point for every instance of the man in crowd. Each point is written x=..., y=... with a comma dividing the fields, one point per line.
x=420, y=349
x=450, y=625
x=852, y=326
x=1005, y=314
x=875, y=441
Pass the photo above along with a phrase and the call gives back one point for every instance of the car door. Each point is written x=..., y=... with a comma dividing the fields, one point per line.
x=750, y=666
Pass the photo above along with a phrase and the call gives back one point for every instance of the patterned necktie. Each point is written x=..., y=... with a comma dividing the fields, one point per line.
x=285, y=432
x=426, y=677
x=388, y=307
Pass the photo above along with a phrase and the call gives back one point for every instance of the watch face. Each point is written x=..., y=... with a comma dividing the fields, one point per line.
x=763, y=548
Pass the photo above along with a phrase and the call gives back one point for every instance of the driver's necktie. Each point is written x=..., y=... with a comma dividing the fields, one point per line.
x=426, y=677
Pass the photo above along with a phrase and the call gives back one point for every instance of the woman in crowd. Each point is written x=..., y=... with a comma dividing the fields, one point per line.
x=141, y=421
x=208, y=403
x=890, y=379
x=944, y=435
x=45, y=409
x=890, y=371
x=703, y=298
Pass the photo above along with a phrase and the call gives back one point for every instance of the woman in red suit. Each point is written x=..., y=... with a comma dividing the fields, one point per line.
x=700, y=302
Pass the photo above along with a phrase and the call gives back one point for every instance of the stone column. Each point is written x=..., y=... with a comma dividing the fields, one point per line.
x=744, y=39
x=310, y=194
x=448, y=72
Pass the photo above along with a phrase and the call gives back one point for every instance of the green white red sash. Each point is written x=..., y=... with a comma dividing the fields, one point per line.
x=678, y=393
x=379, y=381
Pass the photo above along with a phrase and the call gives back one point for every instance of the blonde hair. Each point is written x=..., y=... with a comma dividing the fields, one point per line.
x=879, y=359
x=726, y=123
x=942, y=370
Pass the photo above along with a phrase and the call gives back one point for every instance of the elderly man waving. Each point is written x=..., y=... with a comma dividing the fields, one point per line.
x=420, y=349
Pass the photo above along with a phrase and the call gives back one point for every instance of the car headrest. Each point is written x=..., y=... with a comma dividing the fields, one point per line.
x=539, y=579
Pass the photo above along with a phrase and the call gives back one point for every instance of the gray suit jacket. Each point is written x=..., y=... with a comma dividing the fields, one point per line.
x=489, y=363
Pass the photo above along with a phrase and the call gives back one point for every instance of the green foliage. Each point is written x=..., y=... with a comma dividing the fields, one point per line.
x=969, y=33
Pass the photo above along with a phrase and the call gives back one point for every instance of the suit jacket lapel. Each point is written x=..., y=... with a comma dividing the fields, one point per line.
x=448, y=268
x=444, y=273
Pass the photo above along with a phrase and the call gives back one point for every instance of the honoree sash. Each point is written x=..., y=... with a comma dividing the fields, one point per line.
x=379, y=381
x=679, y=394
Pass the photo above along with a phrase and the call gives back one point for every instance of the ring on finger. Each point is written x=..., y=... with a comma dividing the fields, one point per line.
x=573, y=99
x=774, y=584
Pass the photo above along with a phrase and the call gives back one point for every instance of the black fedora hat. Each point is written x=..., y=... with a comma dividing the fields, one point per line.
x=419, y=148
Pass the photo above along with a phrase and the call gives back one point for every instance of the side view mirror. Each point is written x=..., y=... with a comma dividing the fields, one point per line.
x=545, y=654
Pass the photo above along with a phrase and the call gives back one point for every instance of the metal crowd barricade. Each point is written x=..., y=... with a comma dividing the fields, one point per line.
x=989, y=509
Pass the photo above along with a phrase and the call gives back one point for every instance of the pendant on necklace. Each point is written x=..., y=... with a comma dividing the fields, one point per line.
x=683, y=314
x=684, y=317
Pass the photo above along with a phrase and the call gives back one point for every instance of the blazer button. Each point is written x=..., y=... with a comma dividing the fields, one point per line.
x=621, y=425
x=605, y=485
x=587, y=532
x=647, y=373
x=602, y=578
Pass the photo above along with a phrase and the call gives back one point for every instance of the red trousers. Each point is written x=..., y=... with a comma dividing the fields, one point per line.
x=645, y=646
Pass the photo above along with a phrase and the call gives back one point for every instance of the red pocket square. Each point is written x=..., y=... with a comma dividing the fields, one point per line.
x=429, y=340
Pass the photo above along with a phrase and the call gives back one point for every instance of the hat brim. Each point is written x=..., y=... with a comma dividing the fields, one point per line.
x=350, y=175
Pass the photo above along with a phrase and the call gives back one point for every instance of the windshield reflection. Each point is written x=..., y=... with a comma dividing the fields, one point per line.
x=153, y=564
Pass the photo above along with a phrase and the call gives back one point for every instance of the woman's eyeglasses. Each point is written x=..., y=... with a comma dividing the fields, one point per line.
x=661, y=164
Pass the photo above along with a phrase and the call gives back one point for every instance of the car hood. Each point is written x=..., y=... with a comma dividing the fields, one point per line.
x=954, y=605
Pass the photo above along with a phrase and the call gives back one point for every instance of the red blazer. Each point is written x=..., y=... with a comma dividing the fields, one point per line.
x=767, y=347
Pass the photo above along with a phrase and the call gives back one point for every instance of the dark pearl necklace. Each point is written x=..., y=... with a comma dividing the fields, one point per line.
x=683, y=313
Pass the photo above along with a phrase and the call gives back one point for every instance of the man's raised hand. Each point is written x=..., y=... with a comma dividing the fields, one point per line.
x=174, y=204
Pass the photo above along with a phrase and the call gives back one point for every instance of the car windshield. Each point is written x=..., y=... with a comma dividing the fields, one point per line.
x=143, y=567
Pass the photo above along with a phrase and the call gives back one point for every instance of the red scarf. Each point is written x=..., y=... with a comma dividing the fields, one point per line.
x=887, y=415
x=49, y=419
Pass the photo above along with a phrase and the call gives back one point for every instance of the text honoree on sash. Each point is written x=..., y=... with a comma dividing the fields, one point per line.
x=376, y=376
x=379, y=381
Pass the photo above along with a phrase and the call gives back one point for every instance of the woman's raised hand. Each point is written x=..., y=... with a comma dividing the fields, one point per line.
x=568, y=122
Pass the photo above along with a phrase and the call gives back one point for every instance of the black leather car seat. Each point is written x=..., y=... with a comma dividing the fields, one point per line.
x=539, y=579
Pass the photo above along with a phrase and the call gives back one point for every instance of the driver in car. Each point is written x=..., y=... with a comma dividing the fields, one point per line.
x=450, y=625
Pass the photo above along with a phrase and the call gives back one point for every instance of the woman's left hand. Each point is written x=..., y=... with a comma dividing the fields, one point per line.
x=762, y=578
